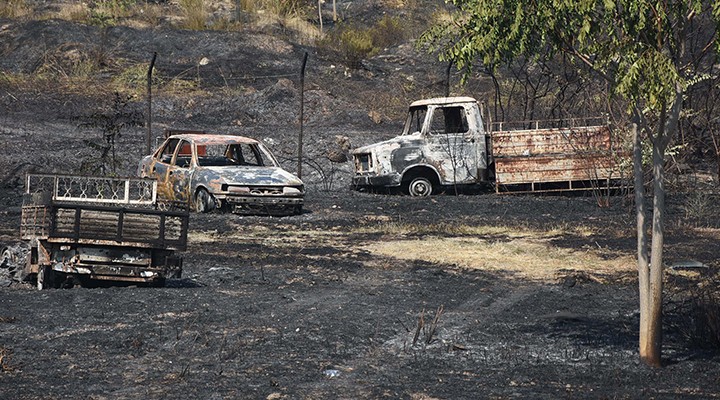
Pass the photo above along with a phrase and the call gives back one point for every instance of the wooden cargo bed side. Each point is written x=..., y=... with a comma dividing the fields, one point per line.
x=566, y=155
x=115, y=226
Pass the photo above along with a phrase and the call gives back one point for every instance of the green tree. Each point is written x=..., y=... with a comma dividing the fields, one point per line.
x=650, y=53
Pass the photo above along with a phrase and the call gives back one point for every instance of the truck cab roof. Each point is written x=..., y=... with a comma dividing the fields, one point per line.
x=443, y=101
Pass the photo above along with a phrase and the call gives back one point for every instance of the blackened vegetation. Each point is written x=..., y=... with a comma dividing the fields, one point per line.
x=122, y=114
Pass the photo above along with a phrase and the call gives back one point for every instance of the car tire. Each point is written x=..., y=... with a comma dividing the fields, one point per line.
x=204, y=202
x=420, y=187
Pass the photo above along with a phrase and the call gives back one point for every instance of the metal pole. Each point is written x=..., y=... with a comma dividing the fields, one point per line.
x=447, y=79
x=302, y=116
x=148, y=140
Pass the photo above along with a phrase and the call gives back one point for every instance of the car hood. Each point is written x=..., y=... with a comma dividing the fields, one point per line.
x=414, y=139
x=251, y=176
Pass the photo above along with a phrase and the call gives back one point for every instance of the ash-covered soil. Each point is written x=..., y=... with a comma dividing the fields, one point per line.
x=302, y=307
x=297, y=308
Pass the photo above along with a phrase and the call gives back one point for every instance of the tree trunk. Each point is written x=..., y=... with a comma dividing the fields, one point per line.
x=642, y=240
x=651, y=346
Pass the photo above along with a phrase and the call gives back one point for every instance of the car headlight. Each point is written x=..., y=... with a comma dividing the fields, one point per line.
x=292, y=190
x=238, y=189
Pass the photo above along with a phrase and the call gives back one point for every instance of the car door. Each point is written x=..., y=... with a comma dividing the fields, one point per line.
x=159, y=166
x=451, y=145
x=178, y=175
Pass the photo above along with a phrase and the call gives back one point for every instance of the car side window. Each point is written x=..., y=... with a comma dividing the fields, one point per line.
x=184, y=154
x=167, y=152
x=448, y=120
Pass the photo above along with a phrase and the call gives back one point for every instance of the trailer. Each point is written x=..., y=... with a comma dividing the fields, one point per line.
x=84, y=229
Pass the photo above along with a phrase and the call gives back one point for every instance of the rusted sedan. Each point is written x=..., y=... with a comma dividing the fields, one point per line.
x=236, y=173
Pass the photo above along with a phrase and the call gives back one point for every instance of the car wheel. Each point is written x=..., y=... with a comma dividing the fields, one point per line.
x=204, y=202
x=420, y=187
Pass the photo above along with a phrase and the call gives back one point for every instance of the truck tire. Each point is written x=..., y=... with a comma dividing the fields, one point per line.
x=420, y=187
x=204, y=202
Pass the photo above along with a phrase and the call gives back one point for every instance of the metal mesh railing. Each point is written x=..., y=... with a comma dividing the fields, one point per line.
x=91, y=189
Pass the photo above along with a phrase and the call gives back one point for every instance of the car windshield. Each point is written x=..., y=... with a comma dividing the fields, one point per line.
x=220, y=155
x=415, y=120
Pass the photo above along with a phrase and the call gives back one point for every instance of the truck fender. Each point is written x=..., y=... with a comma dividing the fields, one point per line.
x=421, y=169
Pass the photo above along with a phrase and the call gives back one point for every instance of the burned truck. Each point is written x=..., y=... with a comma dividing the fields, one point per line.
x=446, y=143
x=86, y=230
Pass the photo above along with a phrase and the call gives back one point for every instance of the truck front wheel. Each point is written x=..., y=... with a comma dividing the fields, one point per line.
x=420, y=187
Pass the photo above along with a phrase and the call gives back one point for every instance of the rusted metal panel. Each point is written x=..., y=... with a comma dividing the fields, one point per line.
x=555, y=155
x=576, y=141
x=553, y=169
x=116, y=212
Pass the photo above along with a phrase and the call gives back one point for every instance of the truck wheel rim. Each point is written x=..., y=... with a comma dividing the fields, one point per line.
x=420, y=187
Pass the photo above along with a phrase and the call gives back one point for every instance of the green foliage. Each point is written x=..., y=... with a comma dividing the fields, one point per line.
x=284, y=8
x=635, y=44
x=133, y=79
x=357, y=44
x=387, y=32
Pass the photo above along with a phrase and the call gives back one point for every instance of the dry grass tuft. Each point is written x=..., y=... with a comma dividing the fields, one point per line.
x=76, y=12
x=5, y=355
x=196, y=16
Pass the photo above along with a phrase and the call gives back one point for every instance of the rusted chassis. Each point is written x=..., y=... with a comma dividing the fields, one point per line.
x=57, y=263
x=85, y=242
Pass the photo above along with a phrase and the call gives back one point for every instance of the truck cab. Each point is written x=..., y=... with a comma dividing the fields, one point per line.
x=443, y=143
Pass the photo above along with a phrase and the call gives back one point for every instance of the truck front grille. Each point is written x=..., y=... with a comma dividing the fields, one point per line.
x=363, y=162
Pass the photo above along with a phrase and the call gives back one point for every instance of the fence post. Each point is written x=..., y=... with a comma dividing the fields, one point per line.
x=302, y=116
x=148, y=140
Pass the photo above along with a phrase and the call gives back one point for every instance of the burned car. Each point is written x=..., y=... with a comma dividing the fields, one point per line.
x=235, y=173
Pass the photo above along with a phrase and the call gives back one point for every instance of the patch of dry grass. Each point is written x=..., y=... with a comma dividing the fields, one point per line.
x=400, y=228
x=14, y=9
x=519, y=252
x=522, y=257
x=75, y=12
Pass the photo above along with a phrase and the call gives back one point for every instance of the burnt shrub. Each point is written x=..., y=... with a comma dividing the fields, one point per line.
x=693, y=309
